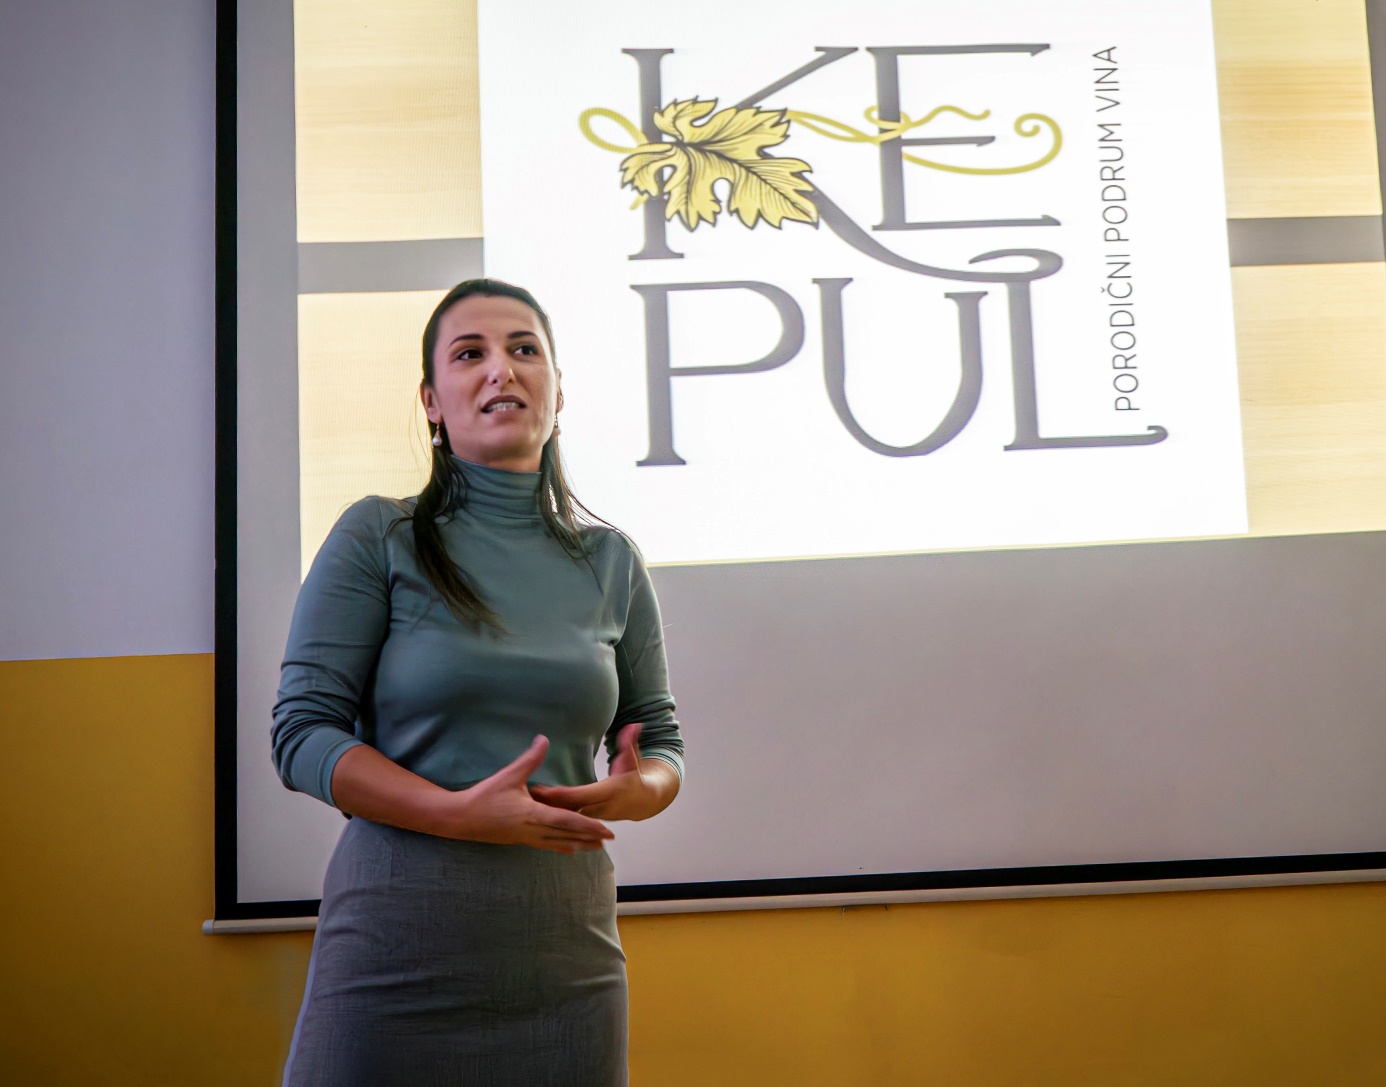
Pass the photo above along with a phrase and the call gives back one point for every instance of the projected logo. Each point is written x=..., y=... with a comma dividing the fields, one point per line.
x=697, y=147
x=992, y=333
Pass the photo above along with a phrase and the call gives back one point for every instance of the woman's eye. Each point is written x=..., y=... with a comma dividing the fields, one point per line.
x=528, y=349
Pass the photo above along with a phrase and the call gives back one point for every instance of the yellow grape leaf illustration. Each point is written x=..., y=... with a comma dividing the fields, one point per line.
x=728, y=146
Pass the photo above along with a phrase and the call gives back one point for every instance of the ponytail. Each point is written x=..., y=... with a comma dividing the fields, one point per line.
x=446, y=488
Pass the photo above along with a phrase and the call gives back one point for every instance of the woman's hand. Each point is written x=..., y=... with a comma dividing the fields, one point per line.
x=500, y=809
x=497, y=809
x=634, y=788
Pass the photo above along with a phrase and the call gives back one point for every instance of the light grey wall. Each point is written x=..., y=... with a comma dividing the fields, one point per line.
x=106, y=327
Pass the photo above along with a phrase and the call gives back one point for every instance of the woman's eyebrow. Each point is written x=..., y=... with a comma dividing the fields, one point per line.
x=479, y=336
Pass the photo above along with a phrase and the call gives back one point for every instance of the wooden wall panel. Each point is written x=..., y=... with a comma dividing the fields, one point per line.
x=1311, y=347
x=361, y=427
x=388, y=123
x=1296, y=102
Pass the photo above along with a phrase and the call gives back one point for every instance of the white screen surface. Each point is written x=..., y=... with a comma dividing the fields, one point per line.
x=905, y=713
x=1012, y=709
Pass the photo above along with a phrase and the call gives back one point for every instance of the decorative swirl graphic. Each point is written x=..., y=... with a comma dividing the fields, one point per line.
x=730, y=145
x=893, y=130
x=585, y=123
x=1021, y=130
x=890, y=130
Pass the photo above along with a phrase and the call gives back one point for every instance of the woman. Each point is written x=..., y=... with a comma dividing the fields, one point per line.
x=453, y=663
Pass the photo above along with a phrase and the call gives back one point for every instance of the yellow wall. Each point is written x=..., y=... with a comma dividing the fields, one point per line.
x=107, y=810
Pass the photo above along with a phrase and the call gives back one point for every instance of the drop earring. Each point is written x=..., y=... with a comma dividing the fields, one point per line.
x=438, y=436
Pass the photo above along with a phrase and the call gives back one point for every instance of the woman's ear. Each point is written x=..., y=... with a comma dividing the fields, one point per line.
x=430, y=403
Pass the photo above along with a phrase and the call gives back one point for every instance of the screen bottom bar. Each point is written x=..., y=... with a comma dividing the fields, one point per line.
x=974, y=894
x=255, y=925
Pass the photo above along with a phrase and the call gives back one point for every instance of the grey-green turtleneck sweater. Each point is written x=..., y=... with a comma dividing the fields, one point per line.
x=375, y=657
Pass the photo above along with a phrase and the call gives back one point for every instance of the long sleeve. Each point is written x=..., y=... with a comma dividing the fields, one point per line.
x=339, y=624
x=374, y=655
x=643, y=675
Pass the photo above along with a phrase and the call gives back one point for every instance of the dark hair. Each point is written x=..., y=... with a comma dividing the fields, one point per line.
x=446, y=488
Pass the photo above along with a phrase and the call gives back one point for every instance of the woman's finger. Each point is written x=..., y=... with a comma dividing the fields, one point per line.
x=627, y=749
x=570, y=796
x=525, y=765
x=560, y=819
x=557, y=792
x=560, y=832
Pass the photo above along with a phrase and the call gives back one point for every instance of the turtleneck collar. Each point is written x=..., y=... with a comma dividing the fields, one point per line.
x=496, y=493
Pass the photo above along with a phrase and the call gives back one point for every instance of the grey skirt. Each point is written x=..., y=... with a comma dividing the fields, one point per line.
x=440, y=963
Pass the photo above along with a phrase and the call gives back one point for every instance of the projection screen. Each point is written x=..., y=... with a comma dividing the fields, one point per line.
x=996, y=390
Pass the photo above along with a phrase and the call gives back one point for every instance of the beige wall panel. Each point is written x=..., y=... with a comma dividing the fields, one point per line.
x=388, y=125
x=1296, y=101
x=1311, y=342
x=361, y=429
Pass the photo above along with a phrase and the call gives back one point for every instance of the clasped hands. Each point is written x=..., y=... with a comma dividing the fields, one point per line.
x=504, y=808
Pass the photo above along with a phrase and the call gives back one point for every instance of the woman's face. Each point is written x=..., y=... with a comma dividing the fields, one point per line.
x=495, y=387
